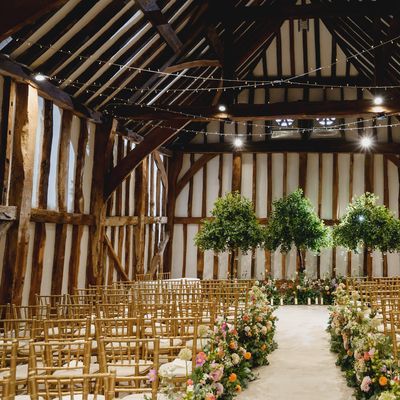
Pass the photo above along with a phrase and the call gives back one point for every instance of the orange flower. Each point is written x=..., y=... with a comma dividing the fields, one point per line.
x=232, y=377
x=263, y=347
x=247, y=355
x=246, y=318
x=383, y=381
x=238, y=388
x=233, y=345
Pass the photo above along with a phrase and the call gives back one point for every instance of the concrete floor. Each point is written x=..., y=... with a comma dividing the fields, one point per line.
x=302, y=368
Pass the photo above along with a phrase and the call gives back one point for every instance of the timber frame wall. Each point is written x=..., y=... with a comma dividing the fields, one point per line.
x=52, y=167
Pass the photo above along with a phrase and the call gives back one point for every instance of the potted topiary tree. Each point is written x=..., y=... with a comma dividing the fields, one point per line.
x=369, y=226
x=234, y=227
x=294, y=223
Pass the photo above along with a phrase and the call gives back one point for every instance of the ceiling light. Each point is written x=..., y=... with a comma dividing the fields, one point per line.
x=238, y=142
x=222, y=108
x=378, y=100
x=366, y=142
x=40, y=77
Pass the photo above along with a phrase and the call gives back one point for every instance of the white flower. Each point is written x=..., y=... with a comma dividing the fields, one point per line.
x=190, y=388
x=247, y=329
x=264, y=330
x=365, y=384
x=185, y=354
x=235, y=358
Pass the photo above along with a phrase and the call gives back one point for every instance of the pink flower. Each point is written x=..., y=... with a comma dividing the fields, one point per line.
x=219, y=388
x=210, y=396
x=152, y=375
x=365, y=384
x=217, y=371
x=201, y=359
x=367, y=356
x=189, y=382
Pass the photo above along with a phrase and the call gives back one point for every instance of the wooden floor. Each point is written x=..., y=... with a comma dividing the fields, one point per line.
x=302, y=368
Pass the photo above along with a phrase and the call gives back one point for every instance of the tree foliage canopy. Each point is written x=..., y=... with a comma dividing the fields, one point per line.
x=233, y=227
x=294, y=222
x=368, y=224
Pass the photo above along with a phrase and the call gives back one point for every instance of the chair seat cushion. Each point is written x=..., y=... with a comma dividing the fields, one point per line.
x=166, y=343
x=127, y=368
x=176, y=369
x=70, y=369
x=80, y=397
x=144, y=396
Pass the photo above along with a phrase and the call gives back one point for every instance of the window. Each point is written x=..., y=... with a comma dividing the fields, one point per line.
x=284, y=123
x=326, y=121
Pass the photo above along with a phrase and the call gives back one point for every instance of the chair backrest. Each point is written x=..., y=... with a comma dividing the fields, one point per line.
x=67, y=329
x=8, y=366
x=84, y=387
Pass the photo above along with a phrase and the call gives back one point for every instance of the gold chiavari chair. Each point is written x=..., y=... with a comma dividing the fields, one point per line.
x=132, y=360
x=8, y=366
x=61, y=358
x=118, y=327
x=84, y=387
x=68, y=329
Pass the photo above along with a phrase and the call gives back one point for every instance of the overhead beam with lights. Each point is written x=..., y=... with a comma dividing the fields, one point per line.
x=252, y=112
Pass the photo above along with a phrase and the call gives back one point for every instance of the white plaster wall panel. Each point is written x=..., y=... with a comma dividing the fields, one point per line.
x=272, y=65
x=312, y=179
x=343, y=183
x=293, y=165
x=349, y=93
x=83, y=258
x=378, y=177
x=45, y=287
x=68, y=244
x=310, y=54
x=38, y=153
x=29, y=267
x=285, y=43
x=311, y=264
x=298, y=54
x=53, y=184
x=177, y=252
x=327, y=182
x=72, y=155
x=244, y=265
x=326, y=262
x=261, y=185
x=393, y=264
x=395, y=132
x=334, y=94
x=377, y=263
x=326, y=50
x=212, y=184
x=243, y=96
x=88, y=170
x=393, y=180
x=358, y=174
x=208, y=265
x=348, y=127
x=197, y=193
x=191, y=254
x=259, y=98
x=295, y=94
x=182, y=201
x=260, y=263
x=230, y=132
x=146, y=248
x=227, y=174
x=277, y=95
x=223, y=259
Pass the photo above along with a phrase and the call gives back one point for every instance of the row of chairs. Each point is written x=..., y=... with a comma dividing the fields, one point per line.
x=129, y=333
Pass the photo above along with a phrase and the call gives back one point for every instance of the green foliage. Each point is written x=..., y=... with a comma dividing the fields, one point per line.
x=368, y=224
x=294, y=222
x=233, y=227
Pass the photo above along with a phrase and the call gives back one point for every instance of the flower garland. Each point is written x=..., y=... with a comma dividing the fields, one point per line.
x=364, y=353
x=224, y=368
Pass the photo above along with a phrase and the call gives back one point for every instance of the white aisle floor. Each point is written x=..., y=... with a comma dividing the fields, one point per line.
x=302, y=368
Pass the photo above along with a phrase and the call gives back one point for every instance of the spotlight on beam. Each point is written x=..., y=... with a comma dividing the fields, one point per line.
x=378, y=100
x=222, y=107
x=238, y=142
x=366, y=142
x=39, y=77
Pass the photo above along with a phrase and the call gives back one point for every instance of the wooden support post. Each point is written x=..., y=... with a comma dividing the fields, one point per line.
x=26, y=116
x=61, y=229
x=174, y=167
x=104, y=140
x=116, y=260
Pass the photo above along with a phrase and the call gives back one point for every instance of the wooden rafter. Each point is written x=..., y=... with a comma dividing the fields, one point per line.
x=292, y=145
x=193, y=64
x=249, y=112
x=16, y=14
x=154, y=14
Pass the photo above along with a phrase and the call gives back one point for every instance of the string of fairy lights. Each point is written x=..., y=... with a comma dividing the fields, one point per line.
x=239, y=84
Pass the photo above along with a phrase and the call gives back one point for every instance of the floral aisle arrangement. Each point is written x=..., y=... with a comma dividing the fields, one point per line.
x=224, y=367
x=303, y=290
x=364, y=353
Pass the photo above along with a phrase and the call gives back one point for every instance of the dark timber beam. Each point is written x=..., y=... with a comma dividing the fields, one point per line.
x=291, y=146
x=154, y=14
x=252, y=112
x=193, y=64
x=153, y=140
x=16, y=14
x=305, y=11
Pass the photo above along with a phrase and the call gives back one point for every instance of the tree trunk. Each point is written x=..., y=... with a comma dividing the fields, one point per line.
x=232, y=265
x=367, y=264
x=301, y=261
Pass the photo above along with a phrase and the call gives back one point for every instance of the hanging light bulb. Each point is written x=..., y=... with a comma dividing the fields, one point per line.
x=40, y=77
x=366, y=142
x=378, y=100
x=238, y=142
x=222, y=107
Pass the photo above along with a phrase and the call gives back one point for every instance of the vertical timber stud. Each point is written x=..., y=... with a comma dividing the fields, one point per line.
x=26, y=116
x=386, y=203
x=104, y=139
x=174, y=167
x=61, y=229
